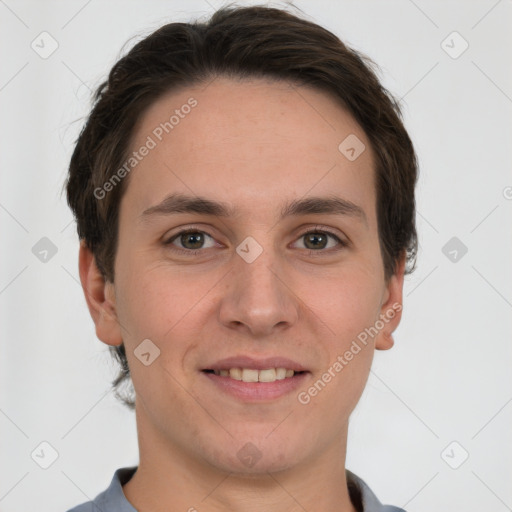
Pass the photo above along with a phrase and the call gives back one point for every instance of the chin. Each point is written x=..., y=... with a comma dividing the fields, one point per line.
x=252, y=468
x=253, y=455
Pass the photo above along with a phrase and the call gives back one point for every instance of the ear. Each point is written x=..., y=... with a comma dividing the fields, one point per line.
x=100, y=297
x=391, y=309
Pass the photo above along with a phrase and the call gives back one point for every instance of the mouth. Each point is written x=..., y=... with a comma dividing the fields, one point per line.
x=253, y=375
x=255, y=381
x=250, y=379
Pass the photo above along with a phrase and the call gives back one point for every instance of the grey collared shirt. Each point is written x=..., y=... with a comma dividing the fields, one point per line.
x=114, y=500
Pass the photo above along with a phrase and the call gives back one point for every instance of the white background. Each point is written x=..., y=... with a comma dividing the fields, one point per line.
x=448, y=377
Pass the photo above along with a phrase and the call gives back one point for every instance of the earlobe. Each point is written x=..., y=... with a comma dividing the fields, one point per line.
x=100, y=298
x=391, y=310
x=384, y=341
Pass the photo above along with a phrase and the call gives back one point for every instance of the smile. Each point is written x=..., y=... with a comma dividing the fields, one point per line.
x=253, y=375
x=251, y=385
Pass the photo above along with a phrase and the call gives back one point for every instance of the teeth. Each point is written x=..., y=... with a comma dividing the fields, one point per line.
x=252, y=375
x=280, y=373
x=249, y=375
x=267, y=375
x=235, y=373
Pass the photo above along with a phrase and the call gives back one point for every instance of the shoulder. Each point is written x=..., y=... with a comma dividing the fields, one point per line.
x=84, y=507
x=111, y=499
x=364, y=498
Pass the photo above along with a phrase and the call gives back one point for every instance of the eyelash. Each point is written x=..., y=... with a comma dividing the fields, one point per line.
x=312, y=252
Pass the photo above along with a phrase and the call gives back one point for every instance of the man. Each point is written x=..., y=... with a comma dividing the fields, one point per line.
x=271, y=148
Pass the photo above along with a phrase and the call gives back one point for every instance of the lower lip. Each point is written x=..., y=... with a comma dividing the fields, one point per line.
x=257, y=391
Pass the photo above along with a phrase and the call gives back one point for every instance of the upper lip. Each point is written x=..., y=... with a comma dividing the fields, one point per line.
x=256, y=364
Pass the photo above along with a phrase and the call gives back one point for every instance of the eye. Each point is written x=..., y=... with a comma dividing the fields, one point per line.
x=193, y=241
x=190, y=240
x=316, y=240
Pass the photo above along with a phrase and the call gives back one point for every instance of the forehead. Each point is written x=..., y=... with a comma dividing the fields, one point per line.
x=249, y=139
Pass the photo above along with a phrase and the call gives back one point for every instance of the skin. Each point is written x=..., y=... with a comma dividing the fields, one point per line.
x=254, y=145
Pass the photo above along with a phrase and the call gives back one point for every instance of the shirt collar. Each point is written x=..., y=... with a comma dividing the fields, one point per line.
x=113, y=499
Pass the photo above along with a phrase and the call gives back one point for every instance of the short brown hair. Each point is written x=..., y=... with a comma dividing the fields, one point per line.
x=238, y=42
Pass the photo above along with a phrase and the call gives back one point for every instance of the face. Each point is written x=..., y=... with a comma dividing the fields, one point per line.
x=280, y=267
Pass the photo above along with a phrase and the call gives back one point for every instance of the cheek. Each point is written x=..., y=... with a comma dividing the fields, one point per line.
x=163, y=308
x=168, y=308
x=157, y=299
x=347, y=301
x=346, y=304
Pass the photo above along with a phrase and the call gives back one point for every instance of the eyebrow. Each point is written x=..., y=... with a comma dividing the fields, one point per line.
x=181, y=203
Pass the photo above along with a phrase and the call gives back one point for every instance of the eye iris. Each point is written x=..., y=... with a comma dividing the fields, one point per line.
x=317, y=240
x=196, y=239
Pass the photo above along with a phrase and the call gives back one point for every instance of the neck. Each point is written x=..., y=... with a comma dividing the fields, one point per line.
x=170, y=479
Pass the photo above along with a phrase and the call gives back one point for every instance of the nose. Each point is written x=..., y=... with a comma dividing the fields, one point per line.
x=258, y=297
